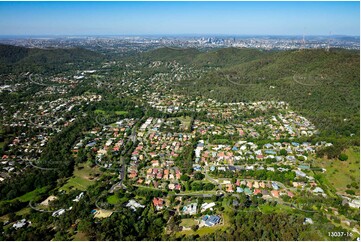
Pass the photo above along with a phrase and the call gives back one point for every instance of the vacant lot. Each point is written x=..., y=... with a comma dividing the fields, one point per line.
x=27, y=197
x=341, y=175
x=267, y=209
x=201, y=231
x=82, y=178
x=185, y=122
x=188, y=222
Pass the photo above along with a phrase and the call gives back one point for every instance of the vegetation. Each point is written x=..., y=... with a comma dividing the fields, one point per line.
x=81, y=179
x=20, y=59
x=313, y=81
x=343, y=157
x=342, y=175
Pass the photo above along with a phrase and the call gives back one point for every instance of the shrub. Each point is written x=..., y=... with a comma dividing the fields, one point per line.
x=343, y=157
x=350, y=192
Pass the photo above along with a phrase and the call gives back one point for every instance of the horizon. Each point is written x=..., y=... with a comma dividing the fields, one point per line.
x=175, y=35
x=179, y=18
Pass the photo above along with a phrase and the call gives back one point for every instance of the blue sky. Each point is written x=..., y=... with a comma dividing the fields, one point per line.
x=143, y=18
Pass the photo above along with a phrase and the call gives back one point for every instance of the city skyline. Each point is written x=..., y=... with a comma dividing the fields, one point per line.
x=179, y=18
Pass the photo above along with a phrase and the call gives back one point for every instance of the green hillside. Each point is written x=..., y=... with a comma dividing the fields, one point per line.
x=322, y=85
x=227, y=57
x=170, y=54
x=19, y=59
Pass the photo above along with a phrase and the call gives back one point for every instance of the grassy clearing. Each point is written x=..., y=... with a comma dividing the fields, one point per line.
x=23, y=211
x=113, y=199
x=99, y=111
x=339, y=174
x=82, y=179
x=267, y=209
x=188, y=222
x=185, y=122
x=27, y=197
x=121, y=112
x=201, y=231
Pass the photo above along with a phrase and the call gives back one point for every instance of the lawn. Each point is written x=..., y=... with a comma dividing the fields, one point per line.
x=99, y=111
x=113, y=199
x=188, y=222
x=27, y=197
x=121, y=112
x=267, y=209
x=201, y=231
x=339, y=174
x=81, y=179
x=23, y=211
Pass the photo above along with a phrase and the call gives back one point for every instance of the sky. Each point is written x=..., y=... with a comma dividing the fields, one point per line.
x=176, y=18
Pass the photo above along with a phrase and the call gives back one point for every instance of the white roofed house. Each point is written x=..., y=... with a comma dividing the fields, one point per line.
x=21, y=223
x=77, y=198
x=206, y=206
x=132, y=204
x=318, y=190
x=58, y=212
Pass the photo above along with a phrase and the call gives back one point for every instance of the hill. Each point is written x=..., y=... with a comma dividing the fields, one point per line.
x=19, y=59
x=322, y=85
x=180, y=55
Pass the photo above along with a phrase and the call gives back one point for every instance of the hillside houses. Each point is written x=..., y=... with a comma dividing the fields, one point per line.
x=243, y=152
x=43, y=121
x=158, y=150
x=286, y=124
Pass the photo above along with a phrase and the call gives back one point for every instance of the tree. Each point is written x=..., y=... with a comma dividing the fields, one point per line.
x=195, y=227
x=60, y=236
x=85, y=226
x=198, y=176
x=283, y=152
x=343, y=157
x=208, y=186
x=184, y=178
x=197, y=186
x=351, y=192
